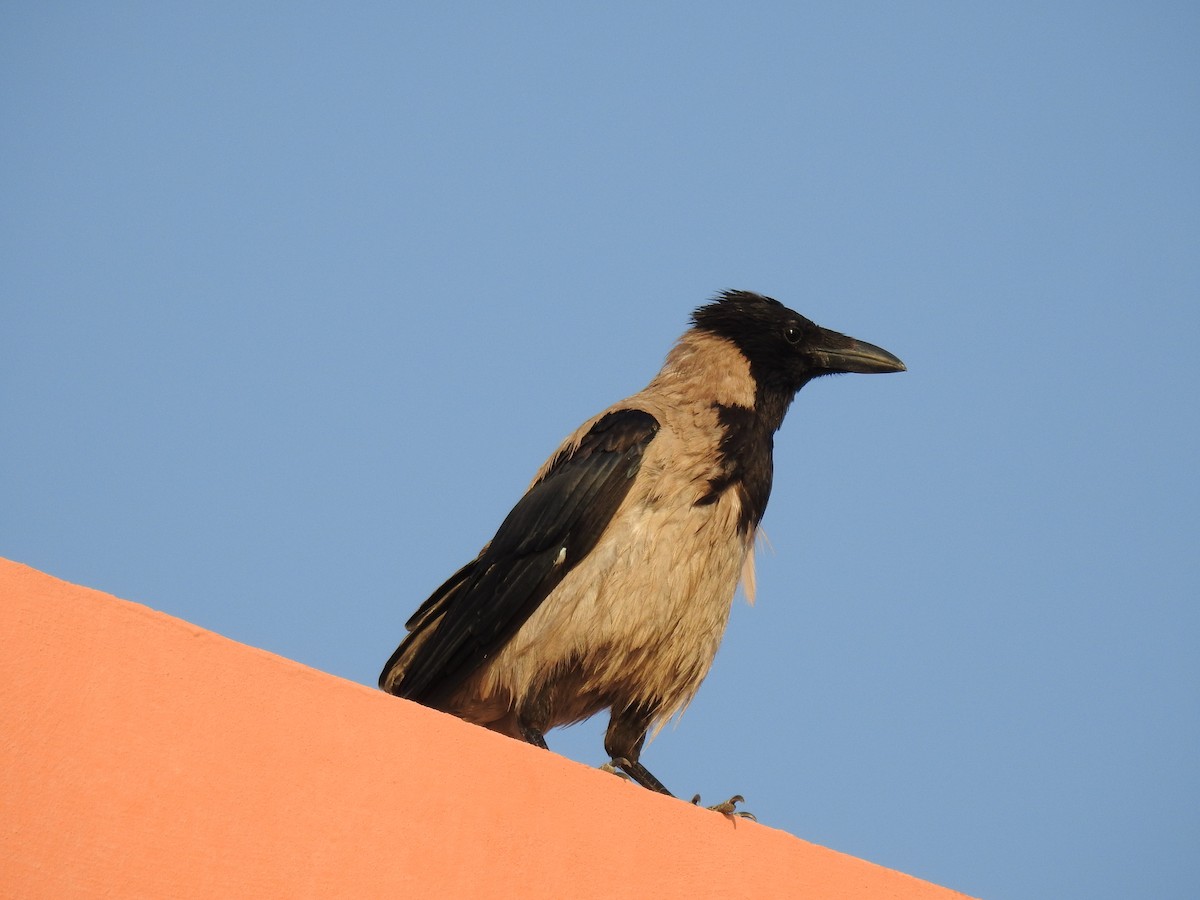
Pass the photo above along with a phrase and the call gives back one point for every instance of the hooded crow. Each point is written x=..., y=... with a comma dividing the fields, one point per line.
x=609, y=585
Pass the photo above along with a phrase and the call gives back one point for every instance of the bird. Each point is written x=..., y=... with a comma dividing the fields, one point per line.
x=609, y=585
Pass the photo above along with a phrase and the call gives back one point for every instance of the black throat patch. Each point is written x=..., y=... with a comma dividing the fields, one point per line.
x=746, y=463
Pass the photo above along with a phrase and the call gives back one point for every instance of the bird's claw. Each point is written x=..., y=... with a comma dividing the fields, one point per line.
x=612, y=768
x=729, y=807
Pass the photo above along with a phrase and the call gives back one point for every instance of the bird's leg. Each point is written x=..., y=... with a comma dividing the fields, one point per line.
x=532, y=735
x=623, y=742
x=533, y=718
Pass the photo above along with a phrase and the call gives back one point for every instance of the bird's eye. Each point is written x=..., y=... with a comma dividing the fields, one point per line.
x=791, y=333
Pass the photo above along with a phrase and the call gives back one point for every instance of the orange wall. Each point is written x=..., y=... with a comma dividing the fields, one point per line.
x=141, y=756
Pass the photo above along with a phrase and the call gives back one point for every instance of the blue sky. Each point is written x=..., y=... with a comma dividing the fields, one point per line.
x=297, y=297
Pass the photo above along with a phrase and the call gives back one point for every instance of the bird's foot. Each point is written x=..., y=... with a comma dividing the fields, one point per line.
x=729, y=807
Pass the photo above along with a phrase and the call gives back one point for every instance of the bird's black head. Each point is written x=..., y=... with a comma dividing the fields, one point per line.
x=786, y=350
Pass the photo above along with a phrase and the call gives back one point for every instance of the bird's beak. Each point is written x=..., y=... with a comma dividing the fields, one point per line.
x=838, y=353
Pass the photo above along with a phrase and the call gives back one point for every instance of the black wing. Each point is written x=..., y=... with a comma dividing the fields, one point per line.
x=553, y=527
